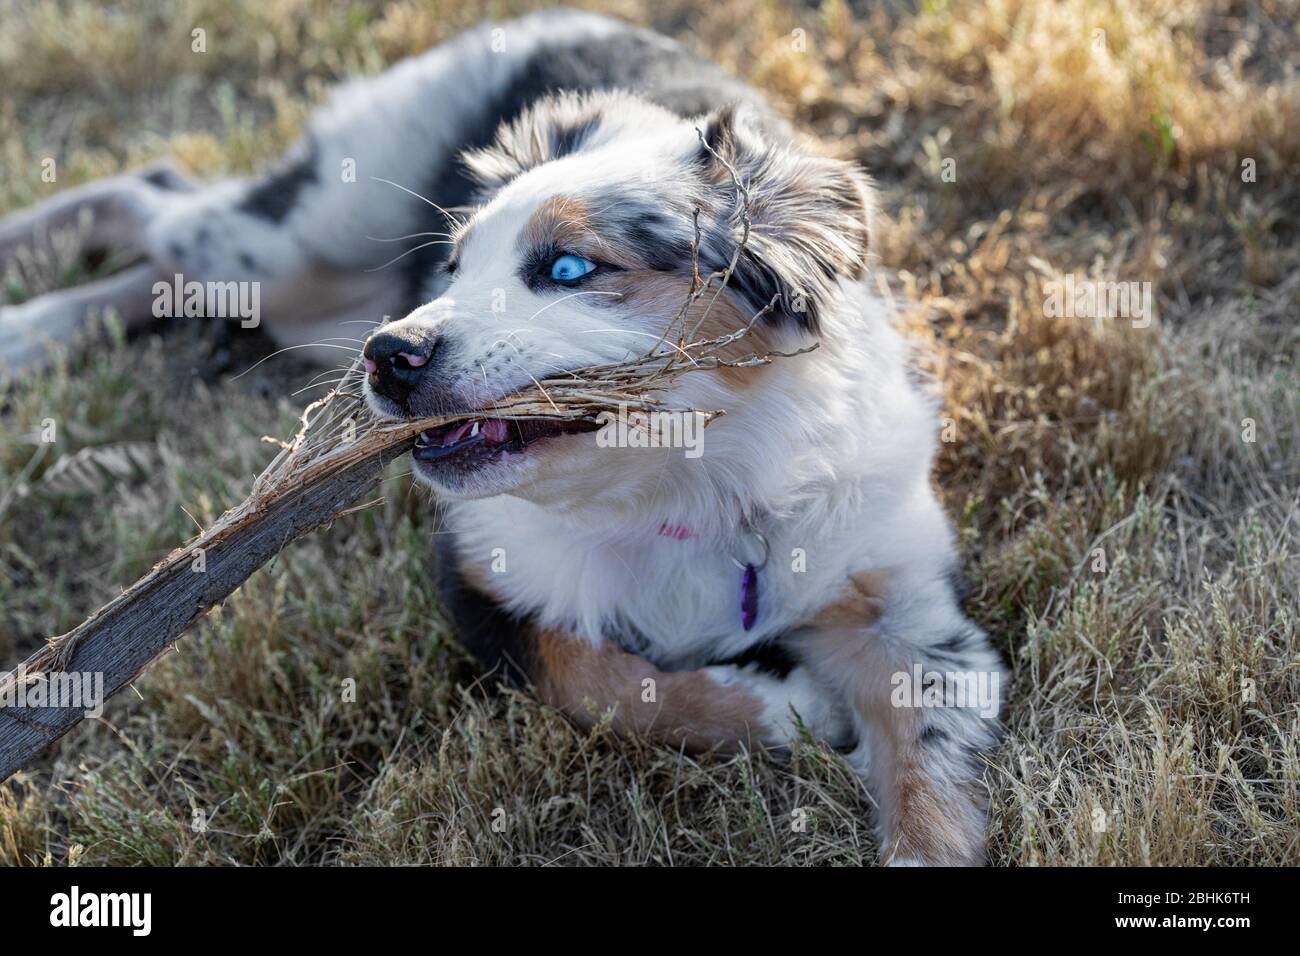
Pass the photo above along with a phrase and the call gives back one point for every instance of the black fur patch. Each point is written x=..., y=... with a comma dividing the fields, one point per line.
x=954, y=643
x=653, y=67
x=274, y=194
x=771, y=657
x=759, y=288
x=570, y=139
x=631, y=640
x=500, y=640
x=649, y=232
x=950, y=652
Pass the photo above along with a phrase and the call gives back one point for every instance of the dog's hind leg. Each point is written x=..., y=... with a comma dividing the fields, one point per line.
x=211, y=237
x=113, y=212
x=111, y=216
x=28, y=330
x=305, y=292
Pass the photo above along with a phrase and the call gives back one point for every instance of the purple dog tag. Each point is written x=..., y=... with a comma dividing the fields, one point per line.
x=749, y=597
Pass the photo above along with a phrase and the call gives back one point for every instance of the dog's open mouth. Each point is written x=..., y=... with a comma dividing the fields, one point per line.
x=469, y=444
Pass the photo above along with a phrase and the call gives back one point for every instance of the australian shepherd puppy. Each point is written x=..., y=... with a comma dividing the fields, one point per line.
x=796, y=574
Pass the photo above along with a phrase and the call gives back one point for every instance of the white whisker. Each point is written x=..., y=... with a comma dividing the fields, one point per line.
x=426, y=245
x=414, y=235
x=333, y=383
x=416, y=195
x=290, y=348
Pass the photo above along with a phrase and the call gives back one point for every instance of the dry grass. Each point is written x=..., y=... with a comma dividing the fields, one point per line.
x=1130, y=739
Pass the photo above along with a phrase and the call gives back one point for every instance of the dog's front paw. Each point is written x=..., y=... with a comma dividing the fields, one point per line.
x=799, y=698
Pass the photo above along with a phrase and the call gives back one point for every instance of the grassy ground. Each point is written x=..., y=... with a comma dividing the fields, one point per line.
x=1127, y=496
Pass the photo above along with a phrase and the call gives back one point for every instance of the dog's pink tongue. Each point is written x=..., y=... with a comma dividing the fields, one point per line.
x=494, y=430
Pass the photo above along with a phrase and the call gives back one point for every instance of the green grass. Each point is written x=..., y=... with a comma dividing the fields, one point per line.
x=1131, y=736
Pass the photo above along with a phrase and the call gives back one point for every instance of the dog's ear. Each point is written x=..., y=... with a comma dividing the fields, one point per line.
x=810, y=217
x=549, y=129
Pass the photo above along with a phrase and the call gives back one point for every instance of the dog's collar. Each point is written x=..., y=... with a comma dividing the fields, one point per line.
x=749, y=570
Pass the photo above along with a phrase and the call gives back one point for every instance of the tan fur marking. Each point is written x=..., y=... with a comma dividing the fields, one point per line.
x=861, y=603
x=566, y=223
x=690, y=707
x=563, y=222
x=659, y=296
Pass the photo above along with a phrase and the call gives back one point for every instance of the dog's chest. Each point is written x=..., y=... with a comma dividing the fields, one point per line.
x=676, y=600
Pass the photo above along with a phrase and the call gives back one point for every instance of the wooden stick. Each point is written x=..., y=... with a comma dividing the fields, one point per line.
x=124, y=636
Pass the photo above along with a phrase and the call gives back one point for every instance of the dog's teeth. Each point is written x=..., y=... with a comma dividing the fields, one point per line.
x=474, y=430
x=424, y=438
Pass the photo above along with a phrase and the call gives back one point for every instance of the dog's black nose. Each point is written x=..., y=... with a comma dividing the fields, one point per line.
x=395, y=362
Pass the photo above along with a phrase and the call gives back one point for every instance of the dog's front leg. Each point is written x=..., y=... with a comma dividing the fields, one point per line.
x=924, y=686
x=717, y=707
x=722, y=706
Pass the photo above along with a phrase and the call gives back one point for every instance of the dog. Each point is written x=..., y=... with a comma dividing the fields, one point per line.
x=796, y=577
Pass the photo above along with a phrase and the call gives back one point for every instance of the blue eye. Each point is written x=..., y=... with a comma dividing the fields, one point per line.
x=570, y=268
